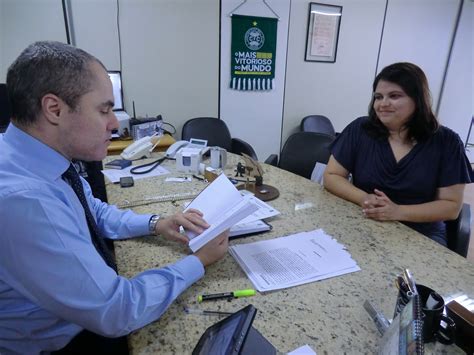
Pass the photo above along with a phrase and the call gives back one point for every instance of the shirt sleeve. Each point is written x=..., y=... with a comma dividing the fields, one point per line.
x=455, y=167
x=344, y=148
x=58, y=269
x=114, y=222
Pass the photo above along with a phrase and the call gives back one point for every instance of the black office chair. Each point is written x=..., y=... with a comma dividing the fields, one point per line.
x=459, y=231
x=5, y=111
x=317, y=123
x=216, y=133
x=302, y=150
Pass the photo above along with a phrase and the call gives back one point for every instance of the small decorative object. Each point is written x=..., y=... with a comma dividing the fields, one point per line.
x=262, y=191
x=252, y=166
x=240, y=170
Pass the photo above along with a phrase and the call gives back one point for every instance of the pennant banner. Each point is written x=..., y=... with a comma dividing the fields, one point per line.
x=253, y=52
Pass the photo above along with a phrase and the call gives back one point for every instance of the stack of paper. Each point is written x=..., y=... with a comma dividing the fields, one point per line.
x=244, y=229
x=293, y=260
x=222, y=206
x=253, y=223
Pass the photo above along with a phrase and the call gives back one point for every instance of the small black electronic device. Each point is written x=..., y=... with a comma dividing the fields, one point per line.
x=145, y=127
x=234, y=335
x=126, y=181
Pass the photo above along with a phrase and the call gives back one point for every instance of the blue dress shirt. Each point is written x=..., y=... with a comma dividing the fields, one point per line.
x=53, y=282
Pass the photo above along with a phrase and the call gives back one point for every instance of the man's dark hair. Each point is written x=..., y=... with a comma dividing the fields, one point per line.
x=412, y=80
x=47, y=68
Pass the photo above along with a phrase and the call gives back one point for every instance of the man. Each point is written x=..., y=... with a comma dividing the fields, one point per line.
x=57, y=282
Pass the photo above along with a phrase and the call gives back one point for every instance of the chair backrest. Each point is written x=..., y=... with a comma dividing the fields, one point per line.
x=317, y=123
x=212, y=129
x=240, y=146
x=458, y=231
x=302, y=150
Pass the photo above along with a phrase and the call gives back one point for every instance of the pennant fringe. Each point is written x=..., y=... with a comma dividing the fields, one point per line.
x=252, y=84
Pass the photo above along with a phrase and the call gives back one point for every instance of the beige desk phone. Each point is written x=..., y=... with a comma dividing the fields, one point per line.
x=141, y=148
x=177, y=146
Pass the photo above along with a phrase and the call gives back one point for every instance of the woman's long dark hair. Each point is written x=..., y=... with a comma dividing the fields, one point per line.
x=412, y=80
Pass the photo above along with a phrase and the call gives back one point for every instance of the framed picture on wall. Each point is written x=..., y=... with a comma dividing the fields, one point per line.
x=323, y=32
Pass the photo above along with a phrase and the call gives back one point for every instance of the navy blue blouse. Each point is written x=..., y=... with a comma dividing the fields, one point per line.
x=439, y=161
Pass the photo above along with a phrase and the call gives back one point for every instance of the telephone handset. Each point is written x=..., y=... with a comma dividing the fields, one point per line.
x=139, y=149
x=173, y=149
x=192, y=143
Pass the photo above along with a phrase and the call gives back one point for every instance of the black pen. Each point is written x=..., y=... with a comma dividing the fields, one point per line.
x=200, y=178
x=402, y=286
x=206, y=312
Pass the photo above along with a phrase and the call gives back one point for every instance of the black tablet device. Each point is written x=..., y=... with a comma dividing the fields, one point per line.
x=234, y=335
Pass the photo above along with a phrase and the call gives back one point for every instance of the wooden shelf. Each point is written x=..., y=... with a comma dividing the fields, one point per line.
x=117, y=146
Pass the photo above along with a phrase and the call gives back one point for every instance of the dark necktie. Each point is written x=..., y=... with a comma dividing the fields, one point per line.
x=72, y=177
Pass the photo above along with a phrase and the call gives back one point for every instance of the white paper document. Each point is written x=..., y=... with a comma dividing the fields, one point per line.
x=264, y=211
x=303, y=350
x=248, y=228
x=114, y=175
x=253, y=223
x=222, y=206
x=293, y=260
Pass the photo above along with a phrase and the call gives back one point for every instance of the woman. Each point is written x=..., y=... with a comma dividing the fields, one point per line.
x=404, y=165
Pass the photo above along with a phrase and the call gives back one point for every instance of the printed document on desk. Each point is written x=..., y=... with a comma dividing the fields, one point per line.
x=293, y=260
x=253, y=223
x=222, y=206
x=243, y=229
x=264, y=211
x=114, y=175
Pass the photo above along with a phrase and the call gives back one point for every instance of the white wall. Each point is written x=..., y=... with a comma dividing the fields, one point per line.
x=420, y=32
x=23, y=22
x=94, y=28
x=254, y=116
x=170, y=52
x=457, y=101
x=170, y=48
x=340, y=90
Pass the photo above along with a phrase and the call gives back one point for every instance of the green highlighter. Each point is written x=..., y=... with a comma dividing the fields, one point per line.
x=227, y=295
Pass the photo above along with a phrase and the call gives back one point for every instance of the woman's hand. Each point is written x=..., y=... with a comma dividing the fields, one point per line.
x=369, y=201
x=379, y=207
x=191, y=220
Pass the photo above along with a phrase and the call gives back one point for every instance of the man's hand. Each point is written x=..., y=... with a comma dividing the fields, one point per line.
x=379, y=207
x=214, y=250
x=191, y=220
